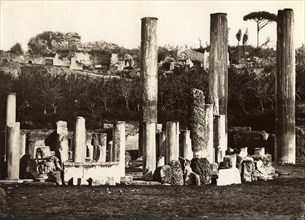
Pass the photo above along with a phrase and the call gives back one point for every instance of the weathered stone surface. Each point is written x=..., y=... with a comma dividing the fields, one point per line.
x=201, y=166
x=201, y=125
x=228, y=177
x=198, y=121
x=177, y=173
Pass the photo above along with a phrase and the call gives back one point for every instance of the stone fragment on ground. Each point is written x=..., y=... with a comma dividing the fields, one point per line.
x=163, y=174
x=202, y=167
x=177, y=173
x=228, y=177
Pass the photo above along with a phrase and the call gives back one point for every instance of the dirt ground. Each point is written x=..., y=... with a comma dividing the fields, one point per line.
x=281, y=198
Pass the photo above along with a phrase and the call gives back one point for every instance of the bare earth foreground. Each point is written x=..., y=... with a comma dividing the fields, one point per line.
x=282, y=198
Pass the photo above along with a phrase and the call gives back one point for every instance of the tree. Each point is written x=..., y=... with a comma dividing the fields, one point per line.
x=238, y=36
x=49, y=42
x=262, y=18
x=16, y=49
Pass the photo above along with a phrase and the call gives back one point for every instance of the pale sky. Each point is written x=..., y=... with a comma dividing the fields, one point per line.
x=180, y=22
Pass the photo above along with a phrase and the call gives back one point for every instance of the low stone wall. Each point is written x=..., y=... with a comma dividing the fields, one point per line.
x=108, y=173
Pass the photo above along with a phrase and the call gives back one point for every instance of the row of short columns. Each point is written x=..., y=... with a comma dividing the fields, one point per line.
x=116, y=147
x=15, y=142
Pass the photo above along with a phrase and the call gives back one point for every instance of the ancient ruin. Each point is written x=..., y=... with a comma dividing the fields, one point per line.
x=207, y=152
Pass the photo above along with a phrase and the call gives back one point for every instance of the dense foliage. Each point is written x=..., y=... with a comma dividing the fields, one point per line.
x=43, y=98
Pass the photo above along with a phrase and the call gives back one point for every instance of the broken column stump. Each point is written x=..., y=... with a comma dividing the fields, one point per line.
x=201, y=125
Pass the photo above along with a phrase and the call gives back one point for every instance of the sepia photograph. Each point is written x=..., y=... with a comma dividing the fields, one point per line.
x=153, y=109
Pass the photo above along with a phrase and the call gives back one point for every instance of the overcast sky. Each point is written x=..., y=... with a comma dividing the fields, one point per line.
x=180, y=22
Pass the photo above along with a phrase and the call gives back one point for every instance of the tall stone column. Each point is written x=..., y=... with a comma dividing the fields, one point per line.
x=13, y=151
x=186, y=144
x=285, y=88
x=119, y=143
x=80, y=146
x=148, y=89
x=218, y=74
x=172, y=146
